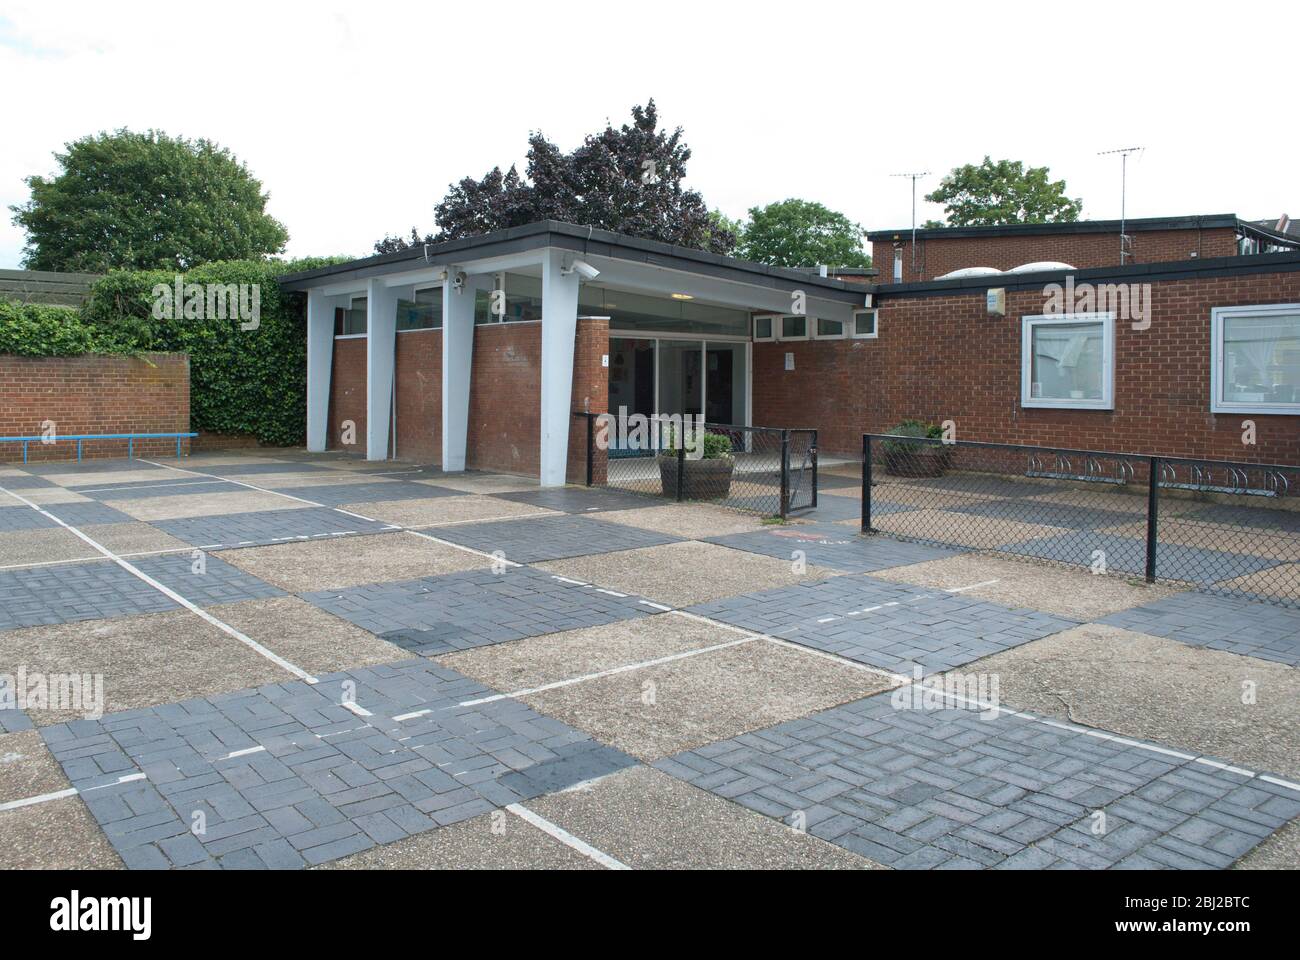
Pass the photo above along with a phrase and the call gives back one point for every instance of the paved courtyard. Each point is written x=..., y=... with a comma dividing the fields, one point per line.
x=271, y=659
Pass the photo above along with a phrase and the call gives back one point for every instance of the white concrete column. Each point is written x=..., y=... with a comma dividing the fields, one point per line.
x=381, y=347
x=559, y=328
x=457, y=361
x=320, y=365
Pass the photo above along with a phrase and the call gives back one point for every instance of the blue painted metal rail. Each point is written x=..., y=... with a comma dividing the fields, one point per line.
x=130, y=438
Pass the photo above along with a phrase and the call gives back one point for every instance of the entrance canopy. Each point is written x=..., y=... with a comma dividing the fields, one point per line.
x=548, y=273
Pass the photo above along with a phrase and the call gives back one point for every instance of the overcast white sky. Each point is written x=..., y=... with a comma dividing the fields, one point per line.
x=356, y=116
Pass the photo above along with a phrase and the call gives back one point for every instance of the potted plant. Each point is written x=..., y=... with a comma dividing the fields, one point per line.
x=707, y=477
x=926, y=456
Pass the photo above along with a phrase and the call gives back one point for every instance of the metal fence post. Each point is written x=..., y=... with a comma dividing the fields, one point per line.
x=814, y=469
x=1153, y=516
x=785, y=473
x=866, y=483
x=591, y=445
x=681, y=472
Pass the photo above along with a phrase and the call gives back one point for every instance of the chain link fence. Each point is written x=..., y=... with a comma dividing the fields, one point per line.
x=764, y=470
x=1224, y=527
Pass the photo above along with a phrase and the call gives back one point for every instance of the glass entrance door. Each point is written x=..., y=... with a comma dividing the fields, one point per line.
x=631, y=381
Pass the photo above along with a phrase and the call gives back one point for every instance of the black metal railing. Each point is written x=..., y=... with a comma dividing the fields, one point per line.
x=1222, y=526
x=767, y=470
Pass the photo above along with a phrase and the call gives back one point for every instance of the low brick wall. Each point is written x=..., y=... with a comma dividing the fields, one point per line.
x=93, y=394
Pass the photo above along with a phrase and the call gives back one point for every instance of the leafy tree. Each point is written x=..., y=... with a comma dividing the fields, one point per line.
x=801, y=233
x=1003, y=192
x=143, y=201
x=395, y=242
x=627, y=179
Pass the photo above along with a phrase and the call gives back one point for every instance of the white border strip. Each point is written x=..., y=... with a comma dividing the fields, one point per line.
x=70, y=792
x=566, y=838
x=172, y=594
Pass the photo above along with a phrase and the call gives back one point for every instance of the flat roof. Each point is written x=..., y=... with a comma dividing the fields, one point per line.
x=1285, y=262
x=1138, y=225
x=583, y=241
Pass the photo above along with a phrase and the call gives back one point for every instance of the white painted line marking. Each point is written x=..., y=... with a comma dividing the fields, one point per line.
x=143, y=486
x=70, y=792
x=356, y=708
x=56, y=563
x=243, y=753
x=403, y=717
x=576, y=583
x=1278, y=781
x=566, y=838
x=973, y=586
x=625, y=668
x=657, y=606
x=448, y=543
x=172, y=594
x=612, y=593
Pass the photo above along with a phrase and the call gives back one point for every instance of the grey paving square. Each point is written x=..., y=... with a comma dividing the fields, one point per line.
x=19, y=517
x=87, y=513
x=835, y=546
x=890, y=626
x=475, y=608
x=29, y=482
x=1048, y=514
x=149, y=489
x=1128, y=555
x=338, y=494
x=551, y=538
x=292, y=774
x=950, y=788
x=205, y=580
x=70, y=592
x=225, y=531
x=582, y=500
x=1233, y=624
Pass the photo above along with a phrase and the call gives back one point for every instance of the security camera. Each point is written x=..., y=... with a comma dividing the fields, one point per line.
x=458, y=281
x=582, y=267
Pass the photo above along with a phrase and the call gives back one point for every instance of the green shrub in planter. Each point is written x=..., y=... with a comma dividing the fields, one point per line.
x=926, y=456
x=706, y=478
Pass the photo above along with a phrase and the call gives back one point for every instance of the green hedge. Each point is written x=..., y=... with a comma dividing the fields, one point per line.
x=32, y=330
x=250, y=382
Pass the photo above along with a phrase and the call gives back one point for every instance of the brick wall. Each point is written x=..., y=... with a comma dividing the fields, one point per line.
x=590, y=394
x=348, y=394
x=505, y=398
x=938, y=256
x=94, y=394
x=943, y=358
x=419, y=395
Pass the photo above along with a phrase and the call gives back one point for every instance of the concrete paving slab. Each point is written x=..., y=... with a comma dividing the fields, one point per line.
x=575, y=499
x=554, y=657
x=1274, y=545
x=1128, y=555
x=307, y=636
x=661, y=710
x=27, y=768
x=365, y=490
x=1074, y=594
x=483, y=483
x=651, y=821
x=57, y=835
x=178, y=508
x=45, y=545
x=50, y=496
x=1158, y=689
x=834, y=546
x=493, y=841
x=1281, y=582
x=687, y=573
x=336, y=563
x=694, y=521
x=440, y=509
x=131, y=537
x=143, y=660
x=93, y=474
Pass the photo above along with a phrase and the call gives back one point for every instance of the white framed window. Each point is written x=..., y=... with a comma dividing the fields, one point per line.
x=1068, y=360
x=866, y=324
x=422, y=312
x=765, y=328
x=351, y=321
x=794, y=327
x=828, y=329
x=1255, y=359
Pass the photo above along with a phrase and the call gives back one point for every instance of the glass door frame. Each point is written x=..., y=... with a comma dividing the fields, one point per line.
x=704, y=340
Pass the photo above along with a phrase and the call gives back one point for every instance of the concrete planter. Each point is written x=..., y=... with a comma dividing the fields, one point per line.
x=701, y=479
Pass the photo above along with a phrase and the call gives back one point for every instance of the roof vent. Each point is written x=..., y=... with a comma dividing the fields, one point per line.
x=970, y=272
x=1042, y=266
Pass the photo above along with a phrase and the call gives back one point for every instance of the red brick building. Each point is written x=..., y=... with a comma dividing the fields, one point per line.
x=1187, y=348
